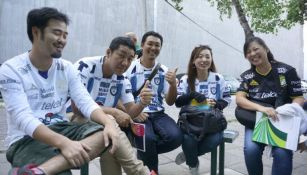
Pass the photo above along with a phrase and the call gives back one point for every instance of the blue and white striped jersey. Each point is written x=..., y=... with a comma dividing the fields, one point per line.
x=105, y=91
x=137, y=74
x=214, y=88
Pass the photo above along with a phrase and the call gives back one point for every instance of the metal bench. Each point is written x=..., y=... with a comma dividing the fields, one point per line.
x=229, y=137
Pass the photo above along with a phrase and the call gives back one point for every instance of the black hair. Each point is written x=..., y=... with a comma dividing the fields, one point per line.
x=152, y=33
x=40, y=17
x=260, y=42
x=121, y=40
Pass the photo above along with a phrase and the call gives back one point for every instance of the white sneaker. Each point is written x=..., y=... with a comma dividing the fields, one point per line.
x=194, y=171
x=180, y=158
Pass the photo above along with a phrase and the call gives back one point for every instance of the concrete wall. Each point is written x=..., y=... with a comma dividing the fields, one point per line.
x=95, y=22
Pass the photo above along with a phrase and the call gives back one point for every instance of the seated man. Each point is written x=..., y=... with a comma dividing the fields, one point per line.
x=162, y=133
x=35, y=86
x=104, y=79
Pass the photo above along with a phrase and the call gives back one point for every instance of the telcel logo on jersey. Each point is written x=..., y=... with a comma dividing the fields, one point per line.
x=52, y=105
x=269, y=95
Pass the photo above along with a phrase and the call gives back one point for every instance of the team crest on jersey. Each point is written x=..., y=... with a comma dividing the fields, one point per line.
x=113, y=90
x=157, y=80
x=282, y=80
x=254, y=83
x=213, y=90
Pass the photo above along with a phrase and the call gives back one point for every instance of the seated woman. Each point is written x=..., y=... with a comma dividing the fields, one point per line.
x=259, y=84
x=206, y=87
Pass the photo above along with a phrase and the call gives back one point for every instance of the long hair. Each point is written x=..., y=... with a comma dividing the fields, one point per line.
x=192, y=72
x=262, y=43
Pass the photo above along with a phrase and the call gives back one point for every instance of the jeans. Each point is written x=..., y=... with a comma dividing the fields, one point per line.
x=193, y=148
x=282, y=158
x=161, y=135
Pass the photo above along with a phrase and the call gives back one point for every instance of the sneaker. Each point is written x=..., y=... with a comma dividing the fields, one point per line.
x=194, y=171
x=29, y=169
x=180, y=158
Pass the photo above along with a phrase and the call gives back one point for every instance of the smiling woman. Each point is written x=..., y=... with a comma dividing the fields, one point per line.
x=271, y=82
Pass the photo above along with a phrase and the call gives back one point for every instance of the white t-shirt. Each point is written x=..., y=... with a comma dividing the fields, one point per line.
x=30, y=99
x=214, y=88
x=137, y=74
x=105, y=91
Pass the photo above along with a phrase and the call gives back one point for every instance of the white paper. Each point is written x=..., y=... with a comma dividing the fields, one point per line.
x=283, y=133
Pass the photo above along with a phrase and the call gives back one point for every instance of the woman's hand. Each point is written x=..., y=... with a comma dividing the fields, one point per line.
x=270, y=112
x=211, y=102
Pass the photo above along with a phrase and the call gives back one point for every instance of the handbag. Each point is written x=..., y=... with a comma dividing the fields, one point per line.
x=198, y=122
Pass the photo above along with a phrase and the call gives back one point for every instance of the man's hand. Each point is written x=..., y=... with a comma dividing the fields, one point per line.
x=122, y=118
x=146, y=94
x=111, y=132
x=75, y=152
x=170, y=77
x=142, y=117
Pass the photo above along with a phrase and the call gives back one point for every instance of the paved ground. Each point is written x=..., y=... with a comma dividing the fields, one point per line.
x=234, y=158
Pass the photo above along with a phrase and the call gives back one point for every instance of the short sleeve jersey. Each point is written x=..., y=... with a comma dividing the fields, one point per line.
x=214, y=87
x=105, y=91
x=137, y=74
x=32, y=99
x=264, y=88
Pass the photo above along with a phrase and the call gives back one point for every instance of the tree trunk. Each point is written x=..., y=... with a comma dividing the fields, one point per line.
x=243, y=21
